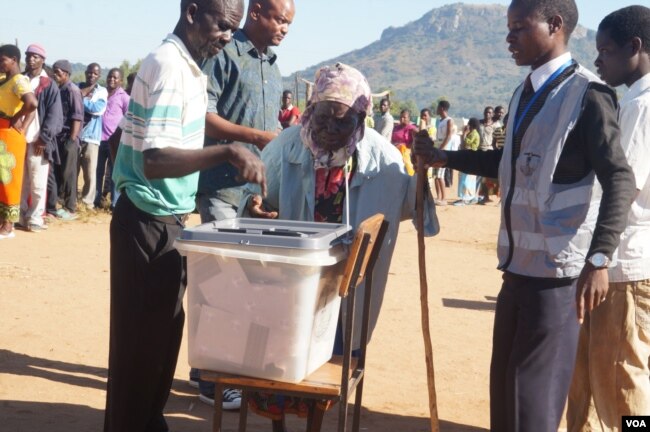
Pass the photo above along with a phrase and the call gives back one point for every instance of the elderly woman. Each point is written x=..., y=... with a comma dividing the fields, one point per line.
x=332, y=168
x=17, y=104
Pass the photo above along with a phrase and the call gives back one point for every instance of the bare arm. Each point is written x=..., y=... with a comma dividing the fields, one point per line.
x=217, y=127
x=171, y=162
x=25, y=115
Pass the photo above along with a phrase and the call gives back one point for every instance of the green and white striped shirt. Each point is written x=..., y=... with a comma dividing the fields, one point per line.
x=167, y=109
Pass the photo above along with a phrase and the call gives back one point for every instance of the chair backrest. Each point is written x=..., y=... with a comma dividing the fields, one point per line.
x=362, y=246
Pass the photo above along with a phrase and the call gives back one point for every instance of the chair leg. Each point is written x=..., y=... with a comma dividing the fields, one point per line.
x=356, y=419
x=315, y=419
x=343, y=415
x=218, y=407
x=243, y=411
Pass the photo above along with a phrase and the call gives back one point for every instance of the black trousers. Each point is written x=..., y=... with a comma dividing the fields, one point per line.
x=67, y=174
x=52, y=190
x=147, y=287
x=533, y=354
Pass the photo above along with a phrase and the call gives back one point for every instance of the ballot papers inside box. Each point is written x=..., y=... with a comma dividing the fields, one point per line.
x=263, y=295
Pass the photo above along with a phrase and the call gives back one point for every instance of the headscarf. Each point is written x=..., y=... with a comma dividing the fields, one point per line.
x=346, y=85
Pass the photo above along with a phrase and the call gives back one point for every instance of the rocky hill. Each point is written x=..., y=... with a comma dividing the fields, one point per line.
x=457, y=52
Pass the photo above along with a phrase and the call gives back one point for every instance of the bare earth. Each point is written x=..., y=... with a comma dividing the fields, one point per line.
x=54, y=303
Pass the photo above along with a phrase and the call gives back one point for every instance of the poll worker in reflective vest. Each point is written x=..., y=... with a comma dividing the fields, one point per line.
x=612, y=376
x=566, y=192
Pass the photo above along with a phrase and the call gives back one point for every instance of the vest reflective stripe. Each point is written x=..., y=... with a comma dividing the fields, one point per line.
x=551, y=225
x=559, y=201
x=538, y=241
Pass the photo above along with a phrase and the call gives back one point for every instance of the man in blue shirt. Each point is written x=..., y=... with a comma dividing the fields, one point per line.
x=95, y=99
x=244, y=93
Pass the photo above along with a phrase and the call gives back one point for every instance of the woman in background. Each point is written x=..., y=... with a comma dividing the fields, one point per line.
x=17, y=106
x=403, y=138
x=467, y=182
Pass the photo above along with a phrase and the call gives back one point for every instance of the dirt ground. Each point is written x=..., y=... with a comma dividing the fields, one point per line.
x=54, y=303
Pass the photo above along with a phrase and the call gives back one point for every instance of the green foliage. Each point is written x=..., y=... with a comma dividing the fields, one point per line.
x=128, y=68
x=78, y=77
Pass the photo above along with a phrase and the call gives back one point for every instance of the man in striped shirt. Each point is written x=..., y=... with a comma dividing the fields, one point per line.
x=156, y=170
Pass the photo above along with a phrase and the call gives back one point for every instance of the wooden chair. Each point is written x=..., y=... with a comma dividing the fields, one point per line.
x=342, y=374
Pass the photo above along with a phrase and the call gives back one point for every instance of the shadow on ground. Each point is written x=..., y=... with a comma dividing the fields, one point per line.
x=184, y=412
x=24, y=416
x=66, y=373
x=476, y=305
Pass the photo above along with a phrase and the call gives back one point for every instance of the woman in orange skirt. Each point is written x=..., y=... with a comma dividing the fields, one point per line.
x=17, y=106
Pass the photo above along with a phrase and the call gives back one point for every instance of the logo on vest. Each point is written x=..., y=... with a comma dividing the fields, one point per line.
x=530, y=164
x=635, y=423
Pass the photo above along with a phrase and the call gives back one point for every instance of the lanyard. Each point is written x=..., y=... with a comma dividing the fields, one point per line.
x=520, y=118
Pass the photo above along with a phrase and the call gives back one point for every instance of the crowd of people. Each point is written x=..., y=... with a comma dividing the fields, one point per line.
x=485, y=135
x=205, y=123
x=66, y=134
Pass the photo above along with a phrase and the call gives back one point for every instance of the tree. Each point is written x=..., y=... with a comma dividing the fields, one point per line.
x=128, y=68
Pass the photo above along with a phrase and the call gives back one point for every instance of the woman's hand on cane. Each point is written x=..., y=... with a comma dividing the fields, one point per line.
x=423, y=147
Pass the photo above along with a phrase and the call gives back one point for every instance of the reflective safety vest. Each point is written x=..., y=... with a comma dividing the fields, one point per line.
x=546, y=228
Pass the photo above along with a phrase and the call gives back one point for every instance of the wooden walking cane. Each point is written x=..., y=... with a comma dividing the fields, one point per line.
x=424, y=291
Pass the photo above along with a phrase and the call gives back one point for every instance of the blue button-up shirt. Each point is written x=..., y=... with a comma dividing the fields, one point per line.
x=245, y=87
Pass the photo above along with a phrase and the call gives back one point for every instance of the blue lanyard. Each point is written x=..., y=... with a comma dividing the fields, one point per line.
x=520, y=118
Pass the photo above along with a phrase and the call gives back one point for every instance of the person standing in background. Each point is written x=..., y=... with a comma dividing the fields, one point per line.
x=384, y=121
x=17, y=105
x=467, y=182
x=130, y=79
x=486, y=131
x=429, y=125
x=289, y=115
x=612, y=376
x=402, y=138
x=42, y=148
x=444, y=136
x=94, y=100
x=117, y=104
x=63, y=182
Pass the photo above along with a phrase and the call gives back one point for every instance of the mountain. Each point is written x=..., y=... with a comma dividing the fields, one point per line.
x=457, y=52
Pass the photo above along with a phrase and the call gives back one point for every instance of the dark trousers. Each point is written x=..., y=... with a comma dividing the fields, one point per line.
x=52, y=190
x=67, y=173
x=147, y=288
x=533, y=354
x=104, y=181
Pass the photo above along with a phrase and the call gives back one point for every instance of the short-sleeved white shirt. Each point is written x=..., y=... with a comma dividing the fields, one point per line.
x=633, y=254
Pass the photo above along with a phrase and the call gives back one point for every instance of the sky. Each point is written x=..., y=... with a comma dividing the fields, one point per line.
x=110, y=31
